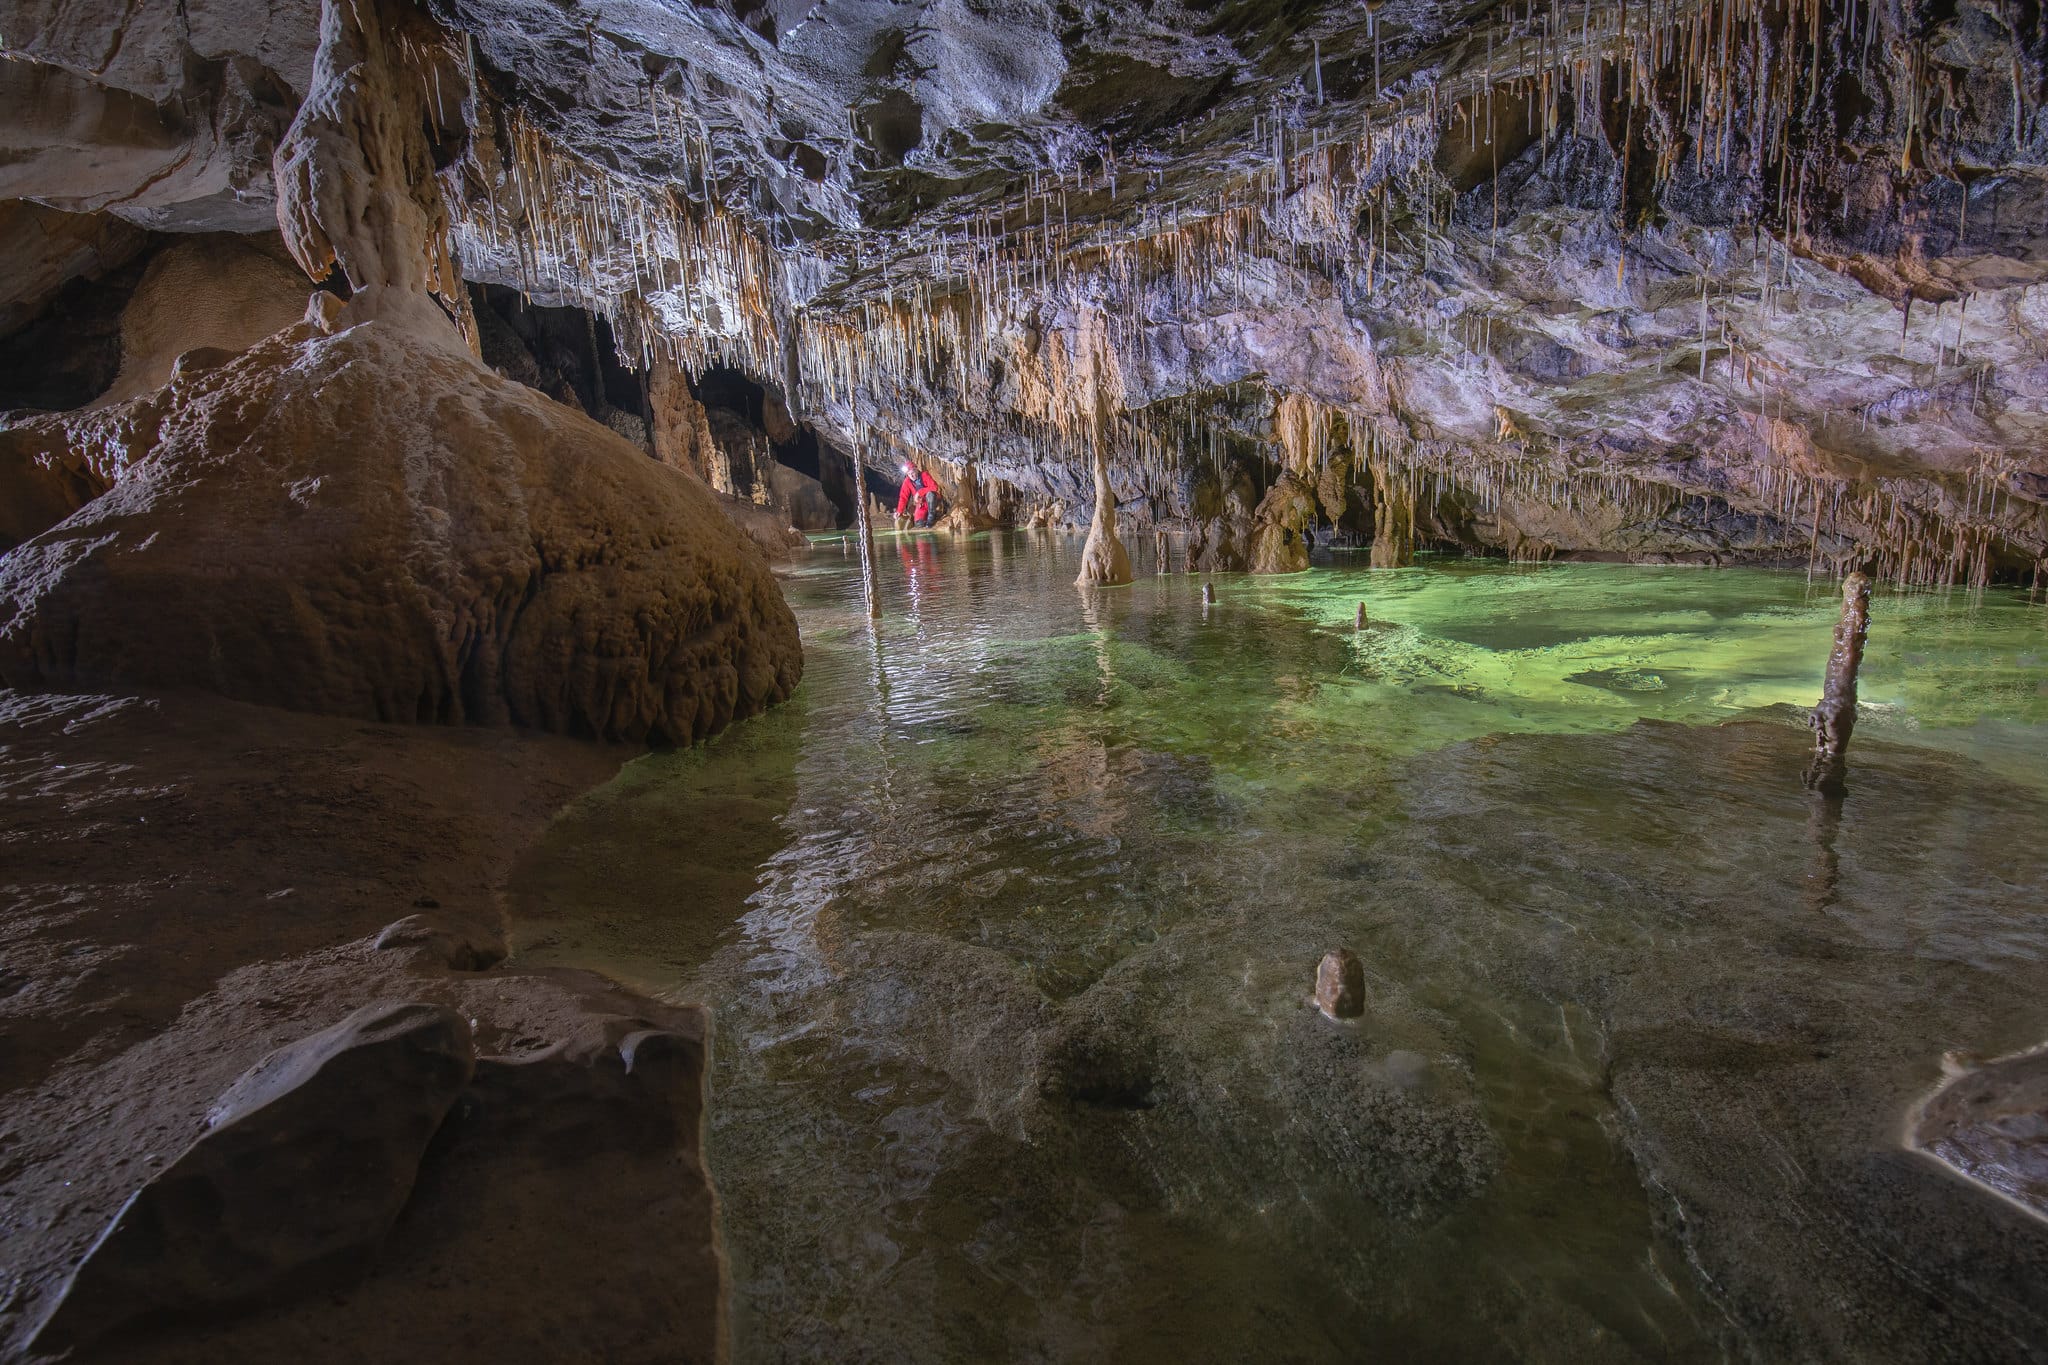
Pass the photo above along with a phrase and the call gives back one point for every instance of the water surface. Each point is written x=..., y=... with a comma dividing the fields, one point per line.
x=1009, y=920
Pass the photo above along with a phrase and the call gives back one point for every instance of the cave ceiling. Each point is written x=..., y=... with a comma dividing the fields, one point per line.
x=1773, y=257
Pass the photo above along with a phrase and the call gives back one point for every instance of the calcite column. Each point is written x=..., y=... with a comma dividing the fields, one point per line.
x=1393, y=518
x=1104, y=561
x=356, y=188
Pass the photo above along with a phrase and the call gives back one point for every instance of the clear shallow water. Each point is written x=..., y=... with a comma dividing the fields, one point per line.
x=1009, y=920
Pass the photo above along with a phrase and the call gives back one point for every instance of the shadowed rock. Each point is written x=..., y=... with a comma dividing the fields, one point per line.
x=1989, y=1124
x=305, y=1163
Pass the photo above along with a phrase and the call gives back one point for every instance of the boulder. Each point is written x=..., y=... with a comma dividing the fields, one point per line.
x=218, y=293
x=800, y=499
x=373, y=524
x=305, y=1163
x=441, y=940
x=559, y=1147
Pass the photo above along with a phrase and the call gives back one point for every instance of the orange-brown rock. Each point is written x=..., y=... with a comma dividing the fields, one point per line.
x=1340, y=984
x=216, y=292
x=373, y=524
x=1277, y=542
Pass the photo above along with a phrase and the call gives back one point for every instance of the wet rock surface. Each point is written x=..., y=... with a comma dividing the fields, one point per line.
x=199, y=886
x=1989, y=1123
x=304, y=1165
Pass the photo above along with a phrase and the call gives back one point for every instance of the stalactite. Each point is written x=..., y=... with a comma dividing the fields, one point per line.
x=1724, y=86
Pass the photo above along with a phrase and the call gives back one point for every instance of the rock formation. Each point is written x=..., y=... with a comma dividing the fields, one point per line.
x=1104, y=561
x=1278, y=545
x=1340, y=984
x=372, y=524
x=356, y=189
x=1525, y=282
x=226, y=882
x=1989, y=1124
x=1834, y=717
x=205, y=293
x=356, y=516
x=304, y=1165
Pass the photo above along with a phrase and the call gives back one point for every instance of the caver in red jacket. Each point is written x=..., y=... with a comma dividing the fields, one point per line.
x=916, y=495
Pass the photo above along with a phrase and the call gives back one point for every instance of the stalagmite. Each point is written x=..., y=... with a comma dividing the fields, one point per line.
x=1358, y=623
x=1208, y=594
x=1104, y=562
x=1340, y=984
x=1835, y=717
x=870, y=583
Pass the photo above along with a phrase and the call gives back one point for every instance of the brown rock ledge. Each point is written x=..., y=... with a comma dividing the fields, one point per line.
x=194, y=883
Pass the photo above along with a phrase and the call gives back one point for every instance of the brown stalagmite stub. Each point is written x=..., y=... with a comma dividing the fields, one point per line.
x=1208, y=594
x=1358, y=622
x=1340, y=984
x=1835, y=717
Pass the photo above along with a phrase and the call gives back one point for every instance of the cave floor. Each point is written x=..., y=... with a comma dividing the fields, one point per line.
x=1009, y=922
x=188, y=883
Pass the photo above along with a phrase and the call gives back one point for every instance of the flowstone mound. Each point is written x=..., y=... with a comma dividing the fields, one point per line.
x=373, y=524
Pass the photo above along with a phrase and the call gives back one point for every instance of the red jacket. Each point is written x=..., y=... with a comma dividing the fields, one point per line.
x=917, y=488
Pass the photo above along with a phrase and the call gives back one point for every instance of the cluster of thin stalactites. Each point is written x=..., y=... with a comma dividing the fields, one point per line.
x=1024, y=289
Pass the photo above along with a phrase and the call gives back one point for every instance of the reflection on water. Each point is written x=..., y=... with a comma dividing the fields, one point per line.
x=1010, y=920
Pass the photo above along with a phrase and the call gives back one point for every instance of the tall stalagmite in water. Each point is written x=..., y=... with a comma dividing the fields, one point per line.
x=1835, y=717
x=1104, y=560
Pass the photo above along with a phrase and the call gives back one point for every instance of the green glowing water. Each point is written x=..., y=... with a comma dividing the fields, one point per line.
x=1009, y=919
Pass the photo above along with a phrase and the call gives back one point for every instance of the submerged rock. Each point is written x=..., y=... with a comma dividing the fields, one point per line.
x=450, y=941
x=305, y=1163
x=1989, y=1124
x=1619, y=679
